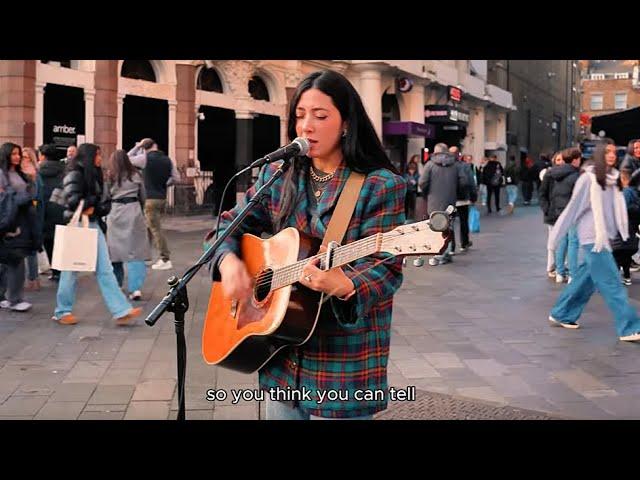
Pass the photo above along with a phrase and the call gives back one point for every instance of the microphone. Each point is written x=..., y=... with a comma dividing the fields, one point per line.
x=300, y=146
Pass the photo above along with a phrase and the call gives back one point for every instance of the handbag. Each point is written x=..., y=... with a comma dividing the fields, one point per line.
x=474, y=219
x=75, y=248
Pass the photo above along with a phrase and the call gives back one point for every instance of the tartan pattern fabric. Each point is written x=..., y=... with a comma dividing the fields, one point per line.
x=349, y=350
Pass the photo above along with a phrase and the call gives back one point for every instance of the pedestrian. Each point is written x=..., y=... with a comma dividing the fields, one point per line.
x=158, y=172
x=84, y=182
x=441, y=181
x=21, y=238
x=127, y=232
x=467, y=196
x=412, y=177
x=511, y=181
x=29, y=167
x=624, y=249
x=555, y=193
x=597, y=208
x=51, y=175
x=493, y=175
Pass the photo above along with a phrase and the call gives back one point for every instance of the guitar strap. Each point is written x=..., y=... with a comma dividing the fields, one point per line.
x=344, y=209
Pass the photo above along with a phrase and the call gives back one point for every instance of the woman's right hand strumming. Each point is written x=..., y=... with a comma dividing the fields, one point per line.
x=236, y=281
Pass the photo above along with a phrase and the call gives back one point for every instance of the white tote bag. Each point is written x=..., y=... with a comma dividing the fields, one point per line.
x=75, y=249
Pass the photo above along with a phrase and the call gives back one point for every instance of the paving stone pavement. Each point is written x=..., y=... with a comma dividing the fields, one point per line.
x=471, y=336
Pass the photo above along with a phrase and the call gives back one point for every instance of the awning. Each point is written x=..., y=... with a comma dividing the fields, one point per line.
x=409, y=129
x=622, y=127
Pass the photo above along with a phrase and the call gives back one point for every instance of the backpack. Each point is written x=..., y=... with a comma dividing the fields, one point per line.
x=496, y=180
x=8, y=212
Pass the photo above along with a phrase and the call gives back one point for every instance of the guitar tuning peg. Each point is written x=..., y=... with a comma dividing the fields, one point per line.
x=418, y=262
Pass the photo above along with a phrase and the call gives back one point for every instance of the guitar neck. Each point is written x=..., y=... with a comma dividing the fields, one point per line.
x=343, y=255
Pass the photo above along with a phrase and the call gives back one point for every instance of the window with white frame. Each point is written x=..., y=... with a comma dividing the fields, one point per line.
x=621, y=101
x=621, y=76
x=596, y=101
x=597, y=76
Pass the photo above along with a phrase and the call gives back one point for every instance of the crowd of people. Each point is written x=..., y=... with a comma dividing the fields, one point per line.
x=121, y=200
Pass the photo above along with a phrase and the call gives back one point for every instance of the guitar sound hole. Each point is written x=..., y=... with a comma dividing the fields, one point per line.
x=263, y=285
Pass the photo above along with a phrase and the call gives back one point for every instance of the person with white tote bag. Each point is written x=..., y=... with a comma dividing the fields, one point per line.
x=84, y=183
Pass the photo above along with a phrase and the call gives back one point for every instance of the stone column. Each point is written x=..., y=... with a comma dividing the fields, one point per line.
x=18, y=101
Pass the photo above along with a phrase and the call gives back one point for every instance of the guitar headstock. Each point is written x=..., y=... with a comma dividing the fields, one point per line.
x=415, y=239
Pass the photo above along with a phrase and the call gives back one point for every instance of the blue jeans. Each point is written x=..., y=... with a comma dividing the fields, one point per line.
x=573, y=251
x=561, y=253
x=136, y=273
x=113, y=297
x=599, y=270
x=281, y=411
x=512, y=194
x=32, y=267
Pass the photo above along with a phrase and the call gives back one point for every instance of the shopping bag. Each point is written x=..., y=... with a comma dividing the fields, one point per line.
x=474, y=220
x=43, y=263
x=75, y=248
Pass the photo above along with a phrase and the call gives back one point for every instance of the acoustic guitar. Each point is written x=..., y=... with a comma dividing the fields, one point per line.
x=244, y=334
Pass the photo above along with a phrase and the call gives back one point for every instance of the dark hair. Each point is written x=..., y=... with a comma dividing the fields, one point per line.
x=570, y=154
x=361, y=147
x=630, y=146
x=85, y=162
x=49, y=151
x=5, y=159
x=600, y=164
x=120, y=167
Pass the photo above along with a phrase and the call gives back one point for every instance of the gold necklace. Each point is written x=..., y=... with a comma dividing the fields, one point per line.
x=318, y=179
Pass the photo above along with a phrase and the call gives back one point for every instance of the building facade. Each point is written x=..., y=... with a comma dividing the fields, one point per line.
x=213, y=117
x=546, y=97
x=607, y=86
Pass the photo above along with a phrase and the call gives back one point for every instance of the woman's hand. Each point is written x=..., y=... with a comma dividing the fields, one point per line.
x=88, y=211
x=332, y=282
x=236, y=282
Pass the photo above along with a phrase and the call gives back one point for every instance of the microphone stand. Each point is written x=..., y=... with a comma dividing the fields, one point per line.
x=177, y=300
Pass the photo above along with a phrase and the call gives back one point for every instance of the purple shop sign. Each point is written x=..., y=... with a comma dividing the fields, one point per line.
x=410, y=129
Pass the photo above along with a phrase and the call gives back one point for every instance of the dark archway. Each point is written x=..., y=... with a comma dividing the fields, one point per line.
x=217, y=150
x=63, y=116
x=258, y=89
x=145, y=117
x=138, y=70
x=209, y=80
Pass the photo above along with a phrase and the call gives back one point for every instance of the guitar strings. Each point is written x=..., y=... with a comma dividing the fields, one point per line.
x=289, y=271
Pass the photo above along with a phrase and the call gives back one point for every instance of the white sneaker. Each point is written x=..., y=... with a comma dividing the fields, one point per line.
x=634, y=337
x=162, y=265
x=20, y=307
x=5, y=304
x=137, y=295
x=434, y=262
x=559, y=278
x=556, y=323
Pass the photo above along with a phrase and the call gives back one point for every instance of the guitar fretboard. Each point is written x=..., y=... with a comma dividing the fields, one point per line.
x=290, y=274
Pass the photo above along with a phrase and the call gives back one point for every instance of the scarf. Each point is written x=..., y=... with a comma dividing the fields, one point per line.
x=620, y=209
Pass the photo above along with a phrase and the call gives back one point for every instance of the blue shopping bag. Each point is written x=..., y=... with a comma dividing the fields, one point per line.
x=474, y=219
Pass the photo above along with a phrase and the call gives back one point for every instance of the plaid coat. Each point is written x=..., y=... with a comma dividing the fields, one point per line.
x=349, y=350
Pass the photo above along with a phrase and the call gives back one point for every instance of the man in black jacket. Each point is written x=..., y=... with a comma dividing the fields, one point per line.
x=467, y=195
x=158, y=172
x=51, y=174
x=493, y=174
